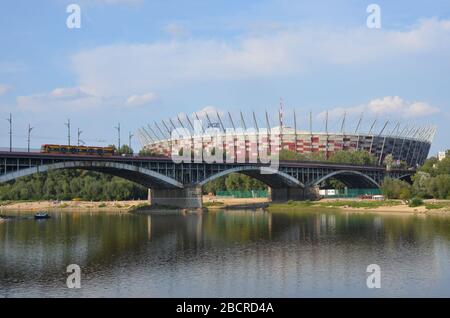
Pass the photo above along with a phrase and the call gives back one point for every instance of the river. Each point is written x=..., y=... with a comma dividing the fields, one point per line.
x=312, y=253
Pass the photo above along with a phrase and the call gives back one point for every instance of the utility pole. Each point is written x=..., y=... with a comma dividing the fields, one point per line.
x=68, y=131
x=10, y=131
x=311, y=147
x=326, y=130
x=78, y=136
x=118, y=134
x=130, y=135
x=29, y=135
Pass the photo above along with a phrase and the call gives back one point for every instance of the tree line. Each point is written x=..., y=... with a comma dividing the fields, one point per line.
x=356, y=157
x=432, y=180
x=70, y=185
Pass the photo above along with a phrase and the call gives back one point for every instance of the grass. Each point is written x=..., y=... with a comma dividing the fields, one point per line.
x=8, y=202
x=147, y=206
x=290, y=205
x=213, y=204
x=358, y=204
x=332, y=204
x=437, y=205
x=434, y=206
x=141, y=206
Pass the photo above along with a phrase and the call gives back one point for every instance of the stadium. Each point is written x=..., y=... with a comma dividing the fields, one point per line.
x=408, y=144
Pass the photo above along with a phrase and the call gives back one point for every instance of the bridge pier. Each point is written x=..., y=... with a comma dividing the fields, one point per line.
x=190, y=197
x=291, y=193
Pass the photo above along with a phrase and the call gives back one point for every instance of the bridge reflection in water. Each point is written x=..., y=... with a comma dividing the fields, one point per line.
x=309, y=253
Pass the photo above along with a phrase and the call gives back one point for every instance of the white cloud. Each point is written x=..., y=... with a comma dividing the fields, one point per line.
x=157, y=65
x=68, y=93
x=139, y=100
x=74, y=98
x=418, y=109
x=4, y=89
x=396, y=105
x=211, y=111
x=387, y=106
x=176, y=30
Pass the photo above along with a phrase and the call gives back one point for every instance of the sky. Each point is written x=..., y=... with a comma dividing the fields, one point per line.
x=135, y=62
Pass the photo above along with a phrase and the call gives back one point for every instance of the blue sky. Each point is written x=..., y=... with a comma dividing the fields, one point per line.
x=135, y=62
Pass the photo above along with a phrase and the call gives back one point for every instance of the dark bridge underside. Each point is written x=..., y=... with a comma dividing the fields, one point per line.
x=271, y=180
x=132, y=176
x=353, y=181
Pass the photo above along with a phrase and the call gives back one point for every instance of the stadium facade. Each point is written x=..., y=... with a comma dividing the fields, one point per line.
x=409, y=145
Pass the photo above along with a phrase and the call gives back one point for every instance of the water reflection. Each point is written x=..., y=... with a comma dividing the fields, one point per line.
x=226, y=254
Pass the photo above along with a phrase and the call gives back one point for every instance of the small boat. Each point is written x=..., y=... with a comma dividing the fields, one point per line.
x=41, y=215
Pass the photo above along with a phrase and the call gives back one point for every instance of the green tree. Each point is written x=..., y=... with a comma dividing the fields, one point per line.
x=357, y=157
x=429, y=166
x=395, y=189
x=421, y=184
x=439, y=186
x=126, y=150
x=405, y=194
x=443, y=166
x=70, y=184
x=389, y=162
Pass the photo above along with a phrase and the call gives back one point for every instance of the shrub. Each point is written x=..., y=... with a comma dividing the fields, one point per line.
x=415, y=202
x=395, y=189
x=434, y=206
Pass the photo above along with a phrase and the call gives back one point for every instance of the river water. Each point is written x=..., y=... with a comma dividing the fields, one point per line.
x=226, y=254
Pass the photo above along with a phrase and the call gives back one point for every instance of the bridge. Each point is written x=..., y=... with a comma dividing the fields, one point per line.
x=180, y=184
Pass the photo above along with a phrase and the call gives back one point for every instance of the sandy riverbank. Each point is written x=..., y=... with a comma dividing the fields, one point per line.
x=358, y=205
x=71, y=205
x=219, y=203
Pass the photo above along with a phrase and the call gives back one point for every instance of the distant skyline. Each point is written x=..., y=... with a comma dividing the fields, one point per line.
x=136, y=62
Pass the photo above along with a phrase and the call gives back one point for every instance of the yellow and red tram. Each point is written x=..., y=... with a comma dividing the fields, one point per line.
x=78, y=150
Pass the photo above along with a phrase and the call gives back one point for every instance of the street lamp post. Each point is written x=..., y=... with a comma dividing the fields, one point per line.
x=10, y=131
x=29, y=135
x=78, y=136
x=68, y=131
x=118, y=134
x=130, y=135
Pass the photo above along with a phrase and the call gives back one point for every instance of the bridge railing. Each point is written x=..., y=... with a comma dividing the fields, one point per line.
x=19, y=149
x=38, y=150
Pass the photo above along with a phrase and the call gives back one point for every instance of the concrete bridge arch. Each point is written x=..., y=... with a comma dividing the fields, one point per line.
x=350, y=178
x=272, y=177
x=139, y=175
